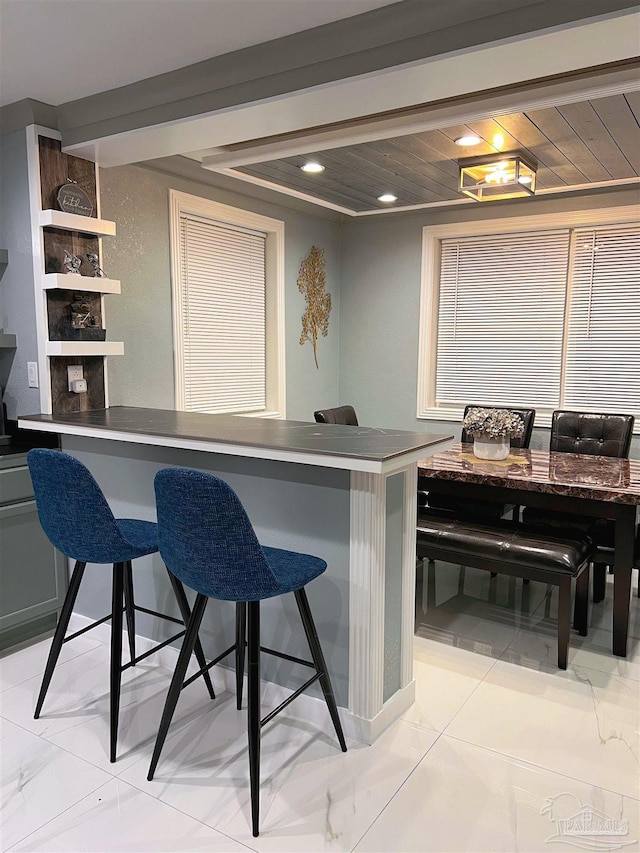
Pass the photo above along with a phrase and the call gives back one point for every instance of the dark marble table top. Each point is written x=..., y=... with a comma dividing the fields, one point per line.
x=349, y=443
x=602, y=478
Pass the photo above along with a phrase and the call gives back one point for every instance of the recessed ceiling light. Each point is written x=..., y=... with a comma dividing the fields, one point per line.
x=388, y=197
x=467, y=140
x=312, y=167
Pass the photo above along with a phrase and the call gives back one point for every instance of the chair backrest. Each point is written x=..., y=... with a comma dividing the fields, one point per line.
x=73, y=511
x=594, y=433
x=338, y=415
x=526, y=415
x=206, y=539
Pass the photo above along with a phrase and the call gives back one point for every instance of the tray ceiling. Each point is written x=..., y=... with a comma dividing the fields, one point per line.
x=580, y=145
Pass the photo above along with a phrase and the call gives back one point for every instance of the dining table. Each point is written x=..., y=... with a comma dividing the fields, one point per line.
x=587, y=485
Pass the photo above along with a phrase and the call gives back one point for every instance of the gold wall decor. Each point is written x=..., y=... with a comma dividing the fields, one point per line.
x=311, y=281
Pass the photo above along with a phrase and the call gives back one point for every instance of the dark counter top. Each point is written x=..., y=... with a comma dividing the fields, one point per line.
x=330, y=445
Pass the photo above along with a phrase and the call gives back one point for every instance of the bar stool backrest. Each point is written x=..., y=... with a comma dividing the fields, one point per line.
x=73, y=512
x=206, y=538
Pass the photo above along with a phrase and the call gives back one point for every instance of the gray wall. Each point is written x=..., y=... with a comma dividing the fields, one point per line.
x=137, y=199
x=17, y=301
x=380, y=304
x=301, y=507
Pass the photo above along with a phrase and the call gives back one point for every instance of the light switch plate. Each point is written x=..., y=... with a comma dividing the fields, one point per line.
x=32, y=374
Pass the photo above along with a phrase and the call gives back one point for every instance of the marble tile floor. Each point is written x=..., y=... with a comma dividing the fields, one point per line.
x=499, y=750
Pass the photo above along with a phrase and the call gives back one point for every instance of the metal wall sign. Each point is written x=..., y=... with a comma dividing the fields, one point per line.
x=72, y=199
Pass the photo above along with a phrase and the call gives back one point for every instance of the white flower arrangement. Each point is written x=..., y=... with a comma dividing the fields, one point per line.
x=496, y=423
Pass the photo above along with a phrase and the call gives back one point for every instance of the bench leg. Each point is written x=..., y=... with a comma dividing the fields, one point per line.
x=581, y=606
x=564, y=621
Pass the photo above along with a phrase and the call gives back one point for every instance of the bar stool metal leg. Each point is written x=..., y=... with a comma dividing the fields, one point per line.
x=319, y=661
x=116, y=654
x=253, y=715
x=241, y=633
x=61, y=630
x=185, y=612
x=171, y=701
x=130, y=609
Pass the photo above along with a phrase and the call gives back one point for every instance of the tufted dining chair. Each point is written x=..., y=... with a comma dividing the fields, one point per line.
x=595, y=434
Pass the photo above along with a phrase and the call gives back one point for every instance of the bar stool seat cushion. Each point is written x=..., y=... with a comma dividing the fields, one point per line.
x=141, y=535
x=292, y=570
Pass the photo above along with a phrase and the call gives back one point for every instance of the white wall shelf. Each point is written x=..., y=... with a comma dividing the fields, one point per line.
x=7, y=341
x=75, y=222
x=85, y=348
x=69, y=281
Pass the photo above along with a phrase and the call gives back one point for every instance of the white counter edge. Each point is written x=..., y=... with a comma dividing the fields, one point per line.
x=322, y=460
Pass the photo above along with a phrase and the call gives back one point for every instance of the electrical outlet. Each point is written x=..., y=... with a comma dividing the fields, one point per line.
x=74, y=372
x=32, y=374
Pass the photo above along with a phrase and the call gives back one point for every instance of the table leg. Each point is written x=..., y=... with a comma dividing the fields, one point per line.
x=625, y=535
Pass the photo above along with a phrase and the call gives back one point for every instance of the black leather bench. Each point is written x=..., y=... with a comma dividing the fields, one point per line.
x=523, y=552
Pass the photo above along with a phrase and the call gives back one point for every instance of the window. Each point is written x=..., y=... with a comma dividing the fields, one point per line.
x=535, y=311
x=228, y=308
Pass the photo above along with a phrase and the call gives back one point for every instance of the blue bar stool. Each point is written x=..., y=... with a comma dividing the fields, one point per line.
x=77, y=519
x=207, y=540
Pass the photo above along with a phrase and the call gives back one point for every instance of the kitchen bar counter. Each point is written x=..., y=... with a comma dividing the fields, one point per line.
x=344, y=493
x=328, y=445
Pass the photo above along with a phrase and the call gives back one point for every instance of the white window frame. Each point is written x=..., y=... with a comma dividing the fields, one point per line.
x=429, y=288
x=275, y=387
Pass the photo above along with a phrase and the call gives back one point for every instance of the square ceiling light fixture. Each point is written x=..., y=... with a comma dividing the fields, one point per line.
x=495, y=177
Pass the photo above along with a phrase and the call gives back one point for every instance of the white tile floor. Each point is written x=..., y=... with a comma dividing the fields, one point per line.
x=499, y=749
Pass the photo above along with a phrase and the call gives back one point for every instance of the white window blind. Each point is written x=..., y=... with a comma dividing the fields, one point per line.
x=603, y=331
x=501, y=319
x=222, y=298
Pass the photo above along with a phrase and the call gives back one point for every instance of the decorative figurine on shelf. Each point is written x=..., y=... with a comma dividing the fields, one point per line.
x=72, y=263
x=81, y=316
x=98, y=272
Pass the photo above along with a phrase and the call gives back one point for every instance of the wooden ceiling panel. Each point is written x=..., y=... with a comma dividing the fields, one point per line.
x=528, y=135
x=434, y=164
x=617, y=116
x=588, y=125
x=633, y=99
x=375, y=178
x=407, y=153
x=554, y=126
x=321, y=187
x=575, y=144
x=442, y=141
